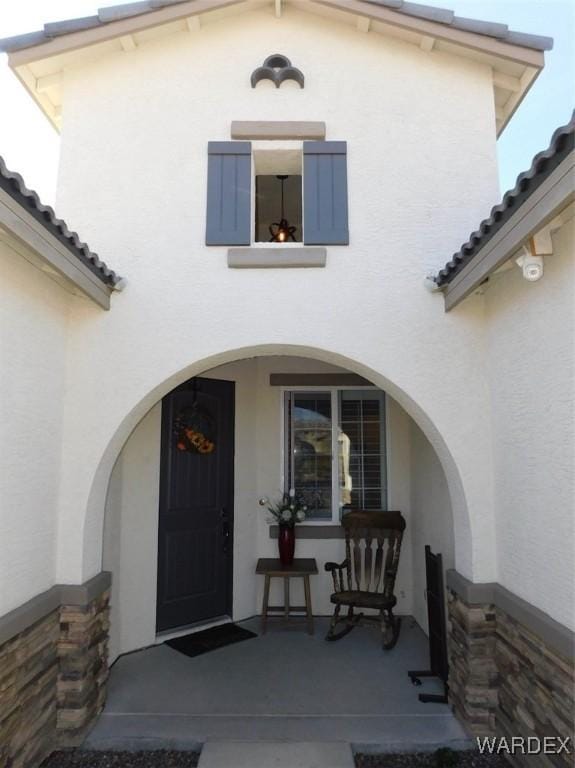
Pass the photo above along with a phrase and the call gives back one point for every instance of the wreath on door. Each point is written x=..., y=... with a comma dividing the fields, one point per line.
x=194, y=430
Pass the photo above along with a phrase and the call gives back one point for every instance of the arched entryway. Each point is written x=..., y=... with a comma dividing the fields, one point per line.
x=414, y=481
x=95, y=507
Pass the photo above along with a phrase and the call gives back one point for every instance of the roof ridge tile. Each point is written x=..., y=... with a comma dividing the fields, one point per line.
x=57, y=28
x=124, y=11
x=417, y=10
x=429, y=12
x=488, y=28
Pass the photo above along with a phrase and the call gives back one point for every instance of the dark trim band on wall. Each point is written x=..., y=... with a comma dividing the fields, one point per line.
x=318, y=380
x=313, y=532
x=557, y=636
x=18, y=620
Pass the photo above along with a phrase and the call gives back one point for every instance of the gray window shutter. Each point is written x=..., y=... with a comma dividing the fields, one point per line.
x=325, y=193
x=228, y=220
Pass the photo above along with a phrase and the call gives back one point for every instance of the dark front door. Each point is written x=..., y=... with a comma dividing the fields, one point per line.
x=196, y=503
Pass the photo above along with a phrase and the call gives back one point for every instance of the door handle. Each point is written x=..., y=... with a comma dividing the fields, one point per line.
x=225, y=530
x=225, y=538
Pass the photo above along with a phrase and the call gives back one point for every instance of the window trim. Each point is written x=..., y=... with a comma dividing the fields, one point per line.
x=254, y=214
x=297, y=147
x=335, y=519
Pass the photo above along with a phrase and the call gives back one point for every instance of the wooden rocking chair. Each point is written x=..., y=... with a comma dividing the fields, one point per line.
x=369, y=580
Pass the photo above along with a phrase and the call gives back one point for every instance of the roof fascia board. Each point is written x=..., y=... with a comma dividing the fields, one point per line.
x=27, y=230
x=554, y=194
x=75, y=40
x=115, y=29
x=482, y=43
x=527, y=79
x=41, y=100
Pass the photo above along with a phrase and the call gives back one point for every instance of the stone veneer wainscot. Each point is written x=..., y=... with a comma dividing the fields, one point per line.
x=53, y=671
x=506, y=679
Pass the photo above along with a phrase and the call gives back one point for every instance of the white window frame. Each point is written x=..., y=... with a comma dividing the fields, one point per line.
x=285, y=146
x=335, y=509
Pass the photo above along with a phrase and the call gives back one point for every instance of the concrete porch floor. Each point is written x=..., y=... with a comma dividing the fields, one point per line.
x=284, y=686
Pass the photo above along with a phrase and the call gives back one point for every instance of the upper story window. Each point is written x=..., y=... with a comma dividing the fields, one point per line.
x=278, y=209
x=335, y=450
x=315, y=198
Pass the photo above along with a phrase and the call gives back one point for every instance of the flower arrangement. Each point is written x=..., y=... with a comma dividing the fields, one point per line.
x=194, y=440
x=287, y=510
x=191, y=428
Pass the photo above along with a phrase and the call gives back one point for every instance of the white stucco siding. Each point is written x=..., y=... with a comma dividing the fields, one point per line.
x=431, y=513
x=33, y=324
x=532, y=368
x=420, y=130
x=422, y=170
x=131, y=537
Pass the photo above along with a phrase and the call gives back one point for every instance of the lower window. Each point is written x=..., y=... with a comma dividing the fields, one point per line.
x=335, y=450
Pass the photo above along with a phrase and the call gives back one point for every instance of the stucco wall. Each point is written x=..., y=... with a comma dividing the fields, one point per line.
x=33, y=323
x=133, y=179
x=431, y=513
x=532, y=362
x=131, y=537
x=130, y=541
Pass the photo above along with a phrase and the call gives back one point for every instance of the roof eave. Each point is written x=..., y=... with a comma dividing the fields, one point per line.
x=43, y=250
x=515, y=100
x=531, y=58
x=547, y=201
x=24, y=217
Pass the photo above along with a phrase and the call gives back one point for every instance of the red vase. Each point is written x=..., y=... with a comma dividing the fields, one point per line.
x=286, y=543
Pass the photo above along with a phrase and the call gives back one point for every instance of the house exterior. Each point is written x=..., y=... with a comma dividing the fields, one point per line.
x=175, y=135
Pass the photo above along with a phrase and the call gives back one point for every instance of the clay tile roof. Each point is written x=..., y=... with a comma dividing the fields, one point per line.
x=543, y=164
x=426, y=12
x=13, y=184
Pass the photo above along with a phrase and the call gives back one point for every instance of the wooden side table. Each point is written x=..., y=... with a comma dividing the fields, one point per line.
x=301, y=567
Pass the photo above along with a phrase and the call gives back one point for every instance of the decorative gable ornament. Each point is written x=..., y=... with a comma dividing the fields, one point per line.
x=278, y=69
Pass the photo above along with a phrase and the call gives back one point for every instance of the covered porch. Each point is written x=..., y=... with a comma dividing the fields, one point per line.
x=371, y=455
x=292, y=422
x=282, y=686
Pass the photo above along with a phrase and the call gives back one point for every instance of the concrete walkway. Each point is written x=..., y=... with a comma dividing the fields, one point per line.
x=283, y=687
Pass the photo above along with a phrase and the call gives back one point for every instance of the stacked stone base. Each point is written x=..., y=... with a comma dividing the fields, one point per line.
x=506, y=681
x=52, y=682
x=28, y=681
x=473, y=676
x=83, y=667
x=536, y=691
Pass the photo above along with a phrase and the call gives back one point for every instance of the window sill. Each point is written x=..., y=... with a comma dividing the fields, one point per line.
x=277, y=257
x=316, y=531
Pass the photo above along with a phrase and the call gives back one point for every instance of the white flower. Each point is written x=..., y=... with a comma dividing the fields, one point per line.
x=300, y=516
x=304, y=508
x=286, y=515
x=292, y=493
x=292, y=507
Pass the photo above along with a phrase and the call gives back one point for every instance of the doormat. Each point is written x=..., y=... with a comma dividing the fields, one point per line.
x=210, y=639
